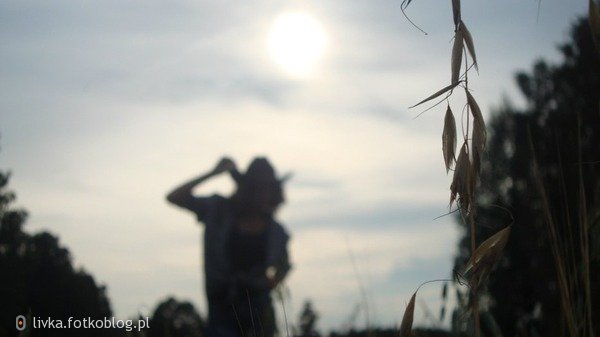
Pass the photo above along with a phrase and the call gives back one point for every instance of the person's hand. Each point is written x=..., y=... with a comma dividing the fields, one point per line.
x=271, y=275
x=224, y=165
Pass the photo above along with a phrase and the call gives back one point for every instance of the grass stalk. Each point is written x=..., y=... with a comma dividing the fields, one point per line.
x=472, y=226
x=361, y=288
x=569, y=254
x=474, y=290
x=557, y=251
x=584, y=235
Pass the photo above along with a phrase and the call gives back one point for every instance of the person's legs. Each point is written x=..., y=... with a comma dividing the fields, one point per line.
x=256, y=315
x=266, y=317
x=251, y=315
x=222, y=321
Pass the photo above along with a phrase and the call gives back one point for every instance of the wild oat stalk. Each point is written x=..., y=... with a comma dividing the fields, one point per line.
x=463, y=189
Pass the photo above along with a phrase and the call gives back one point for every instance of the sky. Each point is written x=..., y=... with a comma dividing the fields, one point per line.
x=107, y=105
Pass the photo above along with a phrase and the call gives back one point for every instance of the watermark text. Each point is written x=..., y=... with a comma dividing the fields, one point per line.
x=82, y=323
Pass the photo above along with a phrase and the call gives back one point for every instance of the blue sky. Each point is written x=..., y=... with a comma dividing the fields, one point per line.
x=105, y=106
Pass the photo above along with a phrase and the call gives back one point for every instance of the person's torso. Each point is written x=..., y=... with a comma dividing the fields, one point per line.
x=248, y=249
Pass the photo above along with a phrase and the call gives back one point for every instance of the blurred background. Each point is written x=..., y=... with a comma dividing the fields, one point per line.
x=105, y=106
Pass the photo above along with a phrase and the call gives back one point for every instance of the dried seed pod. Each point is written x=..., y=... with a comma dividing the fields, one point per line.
x=461, y=187
x=436, y=94
x=479, y=132
x=444, y=291
x=456, y=11
x=475, y=110
x=449, y=139
x=476, y=167
x=485, y=257
x=469, y=42
x=456, y=59
x=407, y=319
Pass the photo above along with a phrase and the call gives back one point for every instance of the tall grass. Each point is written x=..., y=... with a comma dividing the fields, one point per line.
x=570, y=243
x=572, y=264
x=463, y=189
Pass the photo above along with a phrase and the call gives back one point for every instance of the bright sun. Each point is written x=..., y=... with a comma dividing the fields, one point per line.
x=296, y=42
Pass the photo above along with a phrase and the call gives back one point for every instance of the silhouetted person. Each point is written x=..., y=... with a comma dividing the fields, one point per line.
x=245, y=249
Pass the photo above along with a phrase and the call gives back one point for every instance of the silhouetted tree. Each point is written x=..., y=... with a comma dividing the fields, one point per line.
x=308, y=320
x=388, y=332
x=37, y=277
x=562, y=123
x=172, y=318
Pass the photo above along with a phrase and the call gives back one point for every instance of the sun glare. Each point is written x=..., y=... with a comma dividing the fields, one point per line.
x=296, y=42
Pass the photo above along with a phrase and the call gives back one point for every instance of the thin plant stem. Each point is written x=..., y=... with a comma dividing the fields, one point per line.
x=474, y=286
x=287, y=329
x=361, y=287
x=403, y=6
x=471, y=215
x=238, y=320
x=569, y=254
x=583, y=230
x=466, y=90
x=563, y=286
x=250, y=307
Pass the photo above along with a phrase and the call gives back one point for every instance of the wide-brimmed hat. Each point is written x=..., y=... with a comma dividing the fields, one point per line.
x=260, y=171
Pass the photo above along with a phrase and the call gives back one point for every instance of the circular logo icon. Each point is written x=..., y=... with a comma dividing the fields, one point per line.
x=21, y=323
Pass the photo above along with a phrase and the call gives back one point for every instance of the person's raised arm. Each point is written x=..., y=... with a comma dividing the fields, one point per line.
x=182, y=195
